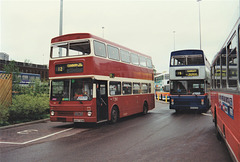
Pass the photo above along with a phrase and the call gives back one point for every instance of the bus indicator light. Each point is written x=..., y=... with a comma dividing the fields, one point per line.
x=172, y=101
x=202, y=101
x=112, y=75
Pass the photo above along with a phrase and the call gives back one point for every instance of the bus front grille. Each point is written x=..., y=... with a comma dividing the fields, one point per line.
x=187, y=103
x=65, y=113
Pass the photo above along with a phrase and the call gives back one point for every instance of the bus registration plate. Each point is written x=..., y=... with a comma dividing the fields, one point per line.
x=194, y=108
x=79, y=120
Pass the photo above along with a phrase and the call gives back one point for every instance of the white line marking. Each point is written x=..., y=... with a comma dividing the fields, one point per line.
x=37, y=139
x=27, y=131
x=206, y=114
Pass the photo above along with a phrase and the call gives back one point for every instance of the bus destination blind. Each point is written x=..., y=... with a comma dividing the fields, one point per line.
x=187, y=73
x=69, y=68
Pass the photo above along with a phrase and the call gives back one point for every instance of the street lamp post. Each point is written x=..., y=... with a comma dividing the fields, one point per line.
x=103, y=31
x=199, y=24
x=60, y=25
x=174, y=40
x=61, y=17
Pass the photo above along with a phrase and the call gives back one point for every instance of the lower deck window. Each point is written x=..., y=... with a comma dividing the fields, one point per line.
x=136, y=88
x=127, y=88
x=115, y=88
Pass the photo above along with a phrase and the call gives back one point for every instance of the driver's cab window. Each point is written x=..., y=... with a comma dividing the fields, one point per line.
x=81, y=89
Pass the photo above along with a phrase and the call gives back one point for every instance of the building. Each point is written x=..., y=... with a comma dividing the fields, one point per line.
x=28, y=68
x=4, y=56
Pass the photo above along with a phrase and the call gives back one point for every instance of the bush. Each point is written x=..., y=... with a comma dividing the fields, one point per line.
x=3, y=115
x=27, y=107
x=33, y=88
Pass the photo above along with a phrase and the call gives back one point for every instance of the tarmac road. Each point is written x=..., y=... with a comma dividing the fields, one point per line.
x=161, y=135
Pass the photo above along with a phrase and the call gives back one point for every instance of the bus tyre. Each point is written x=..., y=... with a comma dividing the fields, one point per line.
x=145, y=108
x=114, y=115
x=76, y=124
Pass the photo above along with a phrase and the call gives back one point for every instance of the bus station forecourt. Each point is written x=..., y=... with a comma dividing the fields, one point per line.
x=113, y=81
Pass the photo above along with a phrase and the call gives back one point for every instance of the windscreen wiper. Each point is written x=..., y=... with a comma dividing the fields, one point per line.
x=60, y=100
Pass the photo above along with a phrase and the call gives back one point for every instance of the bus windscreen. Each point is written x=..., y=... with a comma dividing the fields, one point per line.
x=187, y=87
x=71, y=90
x=182, y=60
x=70, y=49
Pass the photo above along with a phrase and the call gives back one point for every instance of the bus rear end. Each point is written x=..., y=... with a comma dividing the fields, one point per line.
x=189, y=94
x=189, y=80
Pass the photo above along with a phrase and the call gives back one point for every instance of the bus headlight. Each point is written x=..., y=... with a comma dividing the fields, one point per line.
x=89, y=113
x=52, y=113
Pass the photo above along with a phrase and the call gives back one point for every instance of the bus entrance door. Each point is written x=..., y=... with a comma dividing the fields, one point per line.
x=102, y=101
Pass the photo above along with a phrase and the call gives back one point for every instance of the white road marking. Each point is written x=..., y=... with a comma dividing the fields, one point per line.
x=37, y=139
x=206, y=114
x=27, y=131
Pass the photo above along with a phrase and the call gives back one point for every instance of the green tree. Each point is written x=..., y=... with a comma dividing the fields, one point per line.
x=11, y=68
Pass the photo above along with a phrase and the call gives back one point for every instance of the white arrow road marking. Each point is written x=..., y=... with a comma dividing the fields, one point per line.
x=27, y=131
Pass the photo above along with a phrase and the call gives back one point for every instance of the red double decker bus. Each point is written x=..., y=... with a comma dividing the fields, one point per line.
x=225, y=92
x=95, y=80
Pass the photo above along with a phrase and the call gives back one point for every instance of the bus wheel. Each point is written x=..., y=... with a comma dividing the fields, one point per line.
x=145, y=108
x=114, y=115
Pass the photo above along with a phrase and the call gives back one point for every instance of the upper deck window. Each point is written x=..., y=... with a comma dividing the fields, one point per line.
x=113, y=53
x=80, y=48
x=149, y=63
x=181, y=60
x=135, y=59
x=59, y=50
x=70, y=49
x=125, y=56
x=99, y=49
x=143, y=61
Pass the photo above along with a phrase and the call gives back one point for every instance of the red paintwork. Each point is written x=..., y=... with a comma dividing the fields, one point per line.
x=128, y=105
x=100, y=66
x=232, y=126
x=73, y=106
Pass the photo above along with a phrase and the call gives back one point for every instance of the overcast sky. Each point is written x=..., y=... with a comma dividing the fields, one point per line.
x=27, y=26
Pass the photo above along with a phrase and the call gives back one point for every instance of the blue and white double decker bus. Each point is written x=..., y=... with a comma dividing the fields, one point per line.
x=189, y=80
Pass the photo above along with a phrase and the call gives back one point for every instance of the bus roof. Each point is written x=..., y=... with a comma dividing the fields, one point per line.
x=75, y=36
x=187, y=52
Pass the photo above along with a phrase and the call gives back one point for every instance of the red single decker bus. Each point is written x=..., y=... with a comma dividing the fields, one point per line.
x=225, y=92
x=95, y=80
